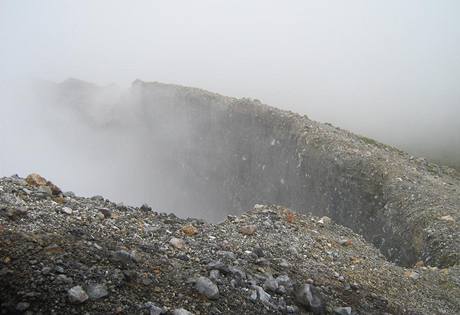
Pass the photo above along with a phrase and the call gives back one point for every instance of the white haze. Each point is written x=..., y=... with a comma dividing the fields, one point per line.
x=385, y=69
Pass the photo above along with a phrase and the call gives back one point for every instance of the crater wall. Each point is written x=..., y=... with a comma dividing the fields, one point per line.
x=241, y=152
x=211, y=155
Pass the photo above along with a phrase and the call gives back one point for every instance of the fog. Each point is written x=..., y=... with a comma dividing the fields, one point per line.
x=387, y=70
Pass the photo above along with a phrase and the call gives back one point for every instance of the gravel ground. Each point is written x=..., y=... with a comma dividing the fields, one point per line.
x=63, y=254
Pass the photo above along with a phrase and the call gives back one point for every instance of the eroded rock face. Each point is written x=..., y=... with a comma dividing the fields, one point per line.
x=221, y=155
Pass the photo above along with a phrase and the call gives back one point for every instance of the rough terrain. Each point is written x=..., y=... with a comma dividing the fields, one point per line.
x=64, y=254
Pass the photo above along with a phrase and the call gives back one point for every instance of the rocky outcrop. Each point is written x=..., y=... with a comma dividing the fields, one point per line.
x=64, y=254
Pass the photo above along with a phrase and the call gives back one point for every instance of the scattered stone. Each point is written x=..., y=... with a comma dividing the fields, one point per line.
x=59, y=269
x=237, y=272
x=293, y=251
x=177, y=243
x=412, y=274
x=248, y=229
x=77, y=295
x=46, y=270
x=307, y=296
x=263, y=296
x=55, y=190
x=45, y=190
x=219, y=265
x=125, y=257
x=263, y=262
x=270, y=284
x=342, y=311
x=419, y=264
x=54, y=249
x=97, y=291
x=325, y=221
x=226, y=254
x=98, y=198
x=63, y=279
x=107, y=213
x=16, y=212
x=447, y=218
x=181, y=311
x=258, y=251
x=284, y=280
x=345, y=242
x=284, y=263
x=153, y=309
x=292, y=309
x=67, y=210
x=214, y=274
x=145, y=207
x=69, y=194
x=189, y=230
x=206, y=287
x=22, y=306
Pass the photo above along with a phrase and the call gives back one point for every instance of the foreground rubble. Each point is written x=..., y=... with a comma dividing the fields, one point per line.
x=63, y=254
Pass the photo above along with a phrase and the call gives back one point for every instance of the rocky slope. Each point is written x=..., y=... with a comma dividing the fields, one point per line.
x=64, y=254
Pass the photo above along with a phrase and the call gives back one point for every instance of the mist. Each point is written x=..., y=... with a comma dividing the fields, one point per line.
x=386, y=70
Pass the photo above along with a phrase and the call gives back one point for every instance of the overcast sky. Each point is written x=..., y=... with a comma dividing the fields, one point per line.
x=387, y=69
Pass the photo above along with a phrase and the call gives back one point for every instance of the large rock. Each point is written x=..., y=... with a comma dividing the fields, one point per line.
x=36, y=180
x=39, y=181
x=206, y=287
